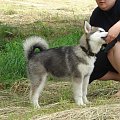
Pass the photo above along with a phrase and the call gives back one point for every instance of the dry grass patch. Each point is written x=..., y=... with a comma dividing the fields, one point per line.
x=106, y=112
x=21, y=12
x=57, y=97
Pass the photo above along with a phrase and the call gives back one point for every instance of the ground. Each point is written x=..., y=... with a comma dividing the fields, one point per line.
x=21, y=12
x=56, y=102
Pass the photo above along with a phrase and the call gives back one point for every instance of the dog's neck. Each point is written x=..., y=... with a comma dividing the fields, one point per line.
x=88, y=51
x=86, y=46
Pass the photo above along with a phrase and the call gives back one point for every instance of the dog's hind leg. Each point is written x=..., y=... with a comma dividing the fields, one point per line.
x=36, y=89
x=77, y=90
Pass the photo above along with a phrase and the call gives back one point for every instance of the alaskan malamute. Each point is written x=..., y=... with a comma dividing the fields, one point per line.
x=76, y=62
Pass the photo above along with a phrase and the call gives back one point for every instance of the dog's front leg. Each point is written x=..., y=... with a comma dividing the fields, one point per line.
x=77, y=90
x=84, y=89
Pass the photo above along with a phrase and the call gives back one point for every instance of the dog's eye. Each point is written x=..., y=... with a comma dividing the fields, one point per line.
x=101, y=31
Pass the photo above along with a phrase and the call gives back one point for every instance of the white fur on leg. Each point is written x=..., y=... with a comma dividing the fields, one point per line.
x=36, y=95
x=85, y=87
x=77, y=89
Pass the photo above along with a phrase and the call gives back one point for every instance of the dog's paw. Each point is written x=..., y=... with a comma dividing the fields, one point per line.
x=80, y=104
x=79, y=101
x=85, y=100
x=37, y=106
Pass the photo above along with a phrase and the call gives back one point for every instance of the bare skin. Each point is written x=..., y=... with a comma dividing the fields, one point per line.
x=114, y=53
x=105, y=4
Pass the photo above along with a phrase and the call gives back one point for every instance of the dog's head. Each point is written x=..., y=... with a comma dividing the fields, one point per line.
x=95, y=37
x=95, y=34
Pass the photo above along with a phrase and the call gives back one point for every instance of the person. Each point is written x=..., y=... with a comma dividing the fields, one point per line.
x=107, y=16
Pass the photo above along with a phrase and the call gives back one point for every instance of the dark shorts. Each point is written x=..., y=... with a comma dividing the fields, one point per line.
x=102, y=66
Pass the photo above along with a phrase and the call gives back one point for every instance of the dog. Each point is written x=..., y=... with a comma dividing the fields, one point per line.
x=75, y=62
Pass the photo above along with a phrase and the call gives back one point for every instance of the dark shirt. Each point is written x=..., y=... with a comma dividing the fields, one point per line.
x=106, y=19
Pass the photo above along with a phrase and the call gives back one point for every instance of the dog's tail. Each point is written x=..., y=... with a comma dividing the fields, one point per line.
x=34, y=42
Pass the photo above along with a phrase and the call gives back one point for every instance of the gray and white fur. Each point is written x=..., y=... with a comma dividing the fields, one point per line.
x=76, y=62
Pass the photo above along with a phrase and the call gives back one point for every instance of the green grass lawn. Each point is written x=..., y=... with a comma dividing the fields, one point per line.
x=11, y=50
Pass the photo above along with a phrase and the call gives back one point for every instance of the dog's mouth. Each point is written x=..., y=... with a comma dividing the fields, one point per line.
x=104, y=38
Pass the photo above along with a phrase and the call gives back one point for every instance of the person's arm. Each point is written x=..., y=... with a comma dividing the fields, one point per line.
x=113, y=32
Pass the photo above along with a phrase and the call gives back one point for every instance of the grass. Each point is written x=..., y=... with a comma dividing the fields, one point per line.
x=11, y=52
x=11, y=48
x=56, y=97
x=61, y=26
x=12, y=62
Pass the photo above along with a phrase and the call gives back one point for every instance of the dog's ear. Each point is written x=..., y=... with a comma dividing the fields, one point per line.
x=87, y=27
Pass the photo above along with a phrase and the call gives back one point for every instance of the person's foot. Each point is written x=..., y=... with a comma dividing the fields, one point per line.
x=117, y=94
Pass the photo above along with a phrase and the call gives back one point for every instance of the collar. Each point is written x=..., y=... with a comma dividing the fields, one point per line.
x=88, y=52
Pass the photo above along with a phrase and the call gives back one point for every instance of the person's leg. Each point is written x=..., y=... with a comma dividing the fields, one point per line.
x=114, y=56
x=117, y=94
x=111, y=76
x=103, y=69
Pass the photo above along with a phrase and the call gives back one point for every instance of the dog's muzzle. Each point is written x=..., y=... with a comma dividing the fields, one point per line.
x=104, y=37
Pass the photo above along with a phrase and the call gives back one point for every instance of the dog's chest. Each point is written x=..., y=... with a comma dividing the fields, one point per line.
x=91, y=61
x=87, y=68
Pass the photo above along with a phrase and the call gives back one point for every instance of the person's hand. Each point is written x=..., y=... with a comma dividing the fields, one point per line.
x=113, y=32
